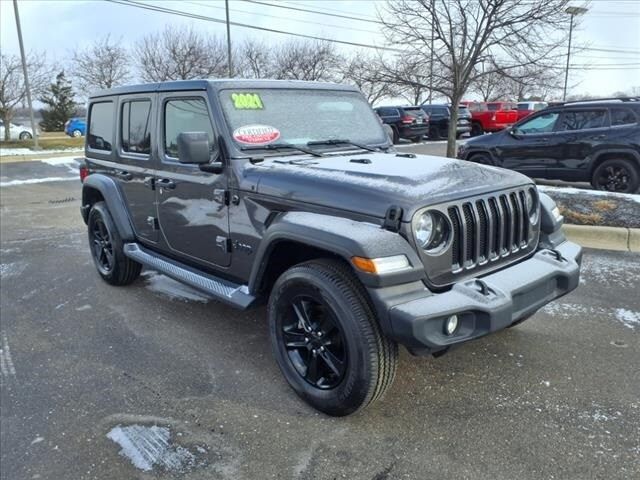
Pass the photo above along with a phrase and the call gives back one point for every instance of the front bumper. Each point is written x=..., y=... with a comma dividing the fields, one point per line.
x=486, y=304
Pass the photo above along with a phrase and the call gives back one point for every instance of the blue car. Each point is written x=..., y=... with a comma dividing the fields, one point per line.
x=75, y=127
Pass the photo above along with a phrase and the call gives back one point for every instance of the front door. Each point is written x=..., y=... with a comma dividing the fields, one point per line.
x=192, y=206
x=532, y=147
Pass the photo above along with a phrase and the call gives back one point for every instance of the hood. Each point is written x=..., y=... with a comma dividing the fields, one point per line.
x=344, y=182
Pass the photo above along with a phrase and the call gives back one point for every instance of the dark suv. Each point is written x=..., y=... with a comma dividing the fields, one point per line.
x=594, y=141
x=439, y=116
x=289, y=193
x=407, y=122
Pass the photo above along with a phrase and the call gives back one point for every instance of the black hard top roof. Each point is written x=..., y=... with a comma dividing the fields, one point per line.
x=220, y=84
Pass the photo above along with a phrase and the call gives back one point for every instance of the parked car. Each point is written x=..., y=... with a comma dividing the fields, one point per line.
x=407, y=122
x=595, y=141
x=17, y=132
x=75, y=127
x=439, y=116
x=290, y=194
x=527, y=108
x=486, y=119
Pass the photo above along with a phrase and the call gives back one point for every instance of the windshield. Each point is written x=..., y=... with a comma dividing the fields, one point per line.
x=296, y=116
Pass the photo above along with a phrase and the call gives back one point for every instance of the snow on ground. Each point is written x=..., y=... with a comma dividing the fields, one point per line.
x=28, y=151
x=55, y=161
x=30, y=181
x=629, y=319
x=156, y=282
x=598, y=193
x=149, y=446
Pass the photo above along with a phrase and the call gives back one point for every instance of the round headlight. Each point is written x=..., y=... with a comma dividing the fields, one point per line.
x=431, y=231
x=533, y=207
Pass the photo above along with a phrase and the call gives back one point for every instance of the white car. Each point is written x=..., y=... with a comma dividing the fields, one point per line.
x=17, y=132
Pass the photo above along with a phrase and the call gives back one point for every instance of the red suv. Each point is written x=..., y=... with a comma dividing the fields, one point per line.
x=492, y=116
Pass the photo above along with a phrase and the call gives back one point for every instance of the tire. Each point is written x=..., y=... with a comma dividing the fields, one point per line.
x=76, y=133
x=616, y=175
x=482, y=159
x=396, y=137
x=434, y=133
x=106, y=248
x=416, y=139
x=476, y=129
x=25, y=136
x=323, y=301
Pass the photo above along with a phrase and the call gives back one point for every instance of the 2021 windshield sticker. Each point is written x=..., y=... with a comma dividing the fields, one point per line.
x=256, y=134
x=247, y=101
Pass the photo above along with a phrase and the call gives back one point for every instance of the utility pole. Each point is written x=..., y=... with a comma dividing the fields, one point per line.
x=230, y=65
x=26, y=78
x=573, y=11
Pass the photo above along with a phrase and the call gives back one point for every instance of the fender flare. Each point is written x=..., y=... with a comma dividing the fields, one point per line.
x=114, y=199
x=343, y=237
x=624, y=151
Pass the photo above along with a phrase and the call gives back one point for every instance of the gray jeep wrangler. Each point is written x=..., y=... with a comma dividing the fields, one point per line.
x=289, y=193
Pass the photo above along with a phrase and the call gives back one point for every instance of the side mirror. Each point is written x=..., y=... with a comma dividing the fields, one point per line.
x=514, y=133
x=194, y=147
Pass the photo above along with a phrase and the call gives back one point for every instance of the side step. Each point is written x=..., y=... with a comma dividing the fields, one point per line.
x=217, y=288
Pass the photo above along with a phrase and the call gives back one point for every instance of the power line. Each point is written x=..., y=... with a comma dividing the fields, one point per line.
x=348, y=17
x=324, y=7
x=155, y=8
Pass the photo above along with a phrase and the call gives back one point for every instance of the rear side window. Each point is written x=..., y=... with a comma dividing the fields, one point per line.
x=622, y=116
x=100, y=135
x=387, y=112
x=415, y=112
x=583, y=119
x=189, y=115
x=135, y=127
x=523, y=106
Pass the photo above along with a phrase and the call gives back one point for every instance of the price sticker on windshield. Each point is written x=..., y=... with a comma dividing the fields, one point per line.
x=247, y=101
x=256, y=134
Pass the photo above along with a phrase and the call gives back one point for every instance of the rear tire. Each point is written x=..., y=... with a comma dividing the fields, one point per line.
x=107, y=248
x=322, y=301
x=476, y=129
x=616, y=175
x=25, y=136
x=396, y=136
x=416, y=139
x=77, y=133
x=434, y=133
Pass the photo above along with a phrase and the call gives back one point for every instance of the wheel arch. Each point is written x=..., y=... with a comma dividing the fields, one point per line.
x=612, y=154
x=97, y=187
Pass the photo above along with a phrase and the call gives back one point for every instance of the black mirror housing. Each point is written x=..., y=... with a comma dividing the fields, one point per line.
x=194, y=147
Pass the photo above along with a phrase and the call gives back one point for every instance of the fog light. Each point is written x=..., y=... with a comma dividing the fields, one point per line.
x=451, y=325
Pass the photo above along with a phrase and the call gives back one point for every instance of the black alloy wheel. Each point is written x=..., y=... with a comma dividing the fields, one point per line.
x=618, y=175
x=314, y=342
x=101, y=246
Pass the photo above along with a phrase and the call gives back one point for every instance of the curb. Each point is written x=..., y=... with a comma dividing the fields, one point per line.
x=606, y=238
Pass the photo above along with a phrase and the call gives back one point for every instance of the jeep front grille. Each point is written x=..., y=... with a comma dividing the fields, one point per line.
x=487, y=229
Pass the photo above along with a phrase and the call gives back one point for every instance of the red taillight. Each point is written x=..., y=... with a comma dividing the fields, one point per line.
x=84, y=172
x=407, y=119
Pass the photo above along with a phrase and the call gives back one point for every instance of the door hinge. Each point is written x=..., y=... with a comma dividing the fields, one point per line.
x=221, y=196
x=150, y=182
x=393, y=218
x=153, y=223
x=224, y=244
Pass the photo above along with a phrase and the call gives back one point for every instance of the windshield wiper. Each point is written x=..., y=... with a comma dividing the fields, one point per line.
x=341, y=141
x=277, y=146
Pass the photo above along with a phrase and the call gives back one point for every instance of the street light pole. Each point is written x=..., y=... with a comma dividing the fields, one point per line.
x=573, y=11
x=230, y=66
x=26, y=78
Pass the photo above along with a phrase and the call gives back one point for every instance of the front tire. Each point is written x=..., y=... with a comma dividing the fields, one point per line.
x=616, y=175
x=482, y=159
x=326, y=339
x=476, y=129
x=107, y=248
x=25, y=136
x=76, y=133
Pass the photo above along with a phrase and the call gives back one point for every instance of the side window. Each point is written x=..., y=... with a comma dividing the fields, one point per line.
x=189, y=115
x=540, y=124
x=583, y=119
x=100, y=134
x=622, y=116
x=135, y=127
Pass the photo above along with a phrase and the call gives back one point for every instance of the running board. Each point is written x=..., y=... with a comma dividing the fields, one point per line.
x=217, y=288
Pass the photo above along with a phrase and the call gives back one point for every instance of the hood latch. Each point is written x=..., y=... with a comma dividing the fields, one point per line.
x=393, y=218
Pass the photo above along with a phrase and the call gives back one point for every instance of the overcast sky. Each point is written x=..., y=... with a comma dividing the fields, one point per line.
x=611, y=28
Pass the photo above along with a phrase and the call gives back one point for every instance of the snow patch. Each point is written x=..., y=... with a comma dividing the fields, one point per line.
x=28, y=151
x=629, y=319
x=55, y=161
x=584, y=192
x=156, y=282
x=149, y=446
x=30, y=181
x=11, y=269
x=7, y=369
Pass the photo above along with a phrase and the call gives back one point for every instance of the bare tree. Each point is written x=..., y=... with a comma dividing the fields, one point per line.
x=518, y=84
x=12, y=88
x=363, y=71
x=180, y=54
x=254, y=60
x=104, y=64
x=515, y=33
x=306, y=60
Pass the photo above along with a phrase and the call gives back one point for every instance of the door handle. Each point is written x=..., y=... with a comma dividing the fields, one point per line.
x=124, y=175
x=166, y=184
x=598, y=137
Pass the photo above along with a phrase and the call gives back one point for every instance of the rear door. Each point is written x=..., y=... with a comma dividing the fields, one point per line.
x=192, y=205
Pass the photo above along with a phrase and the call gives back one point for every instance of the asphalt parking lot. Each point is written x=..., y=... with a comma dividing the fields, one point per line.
x=191, y=387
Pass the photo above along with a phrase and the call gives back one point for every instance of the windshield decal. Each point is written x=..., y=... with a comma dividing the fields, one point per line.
x=247, y=101
x=256, y=134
